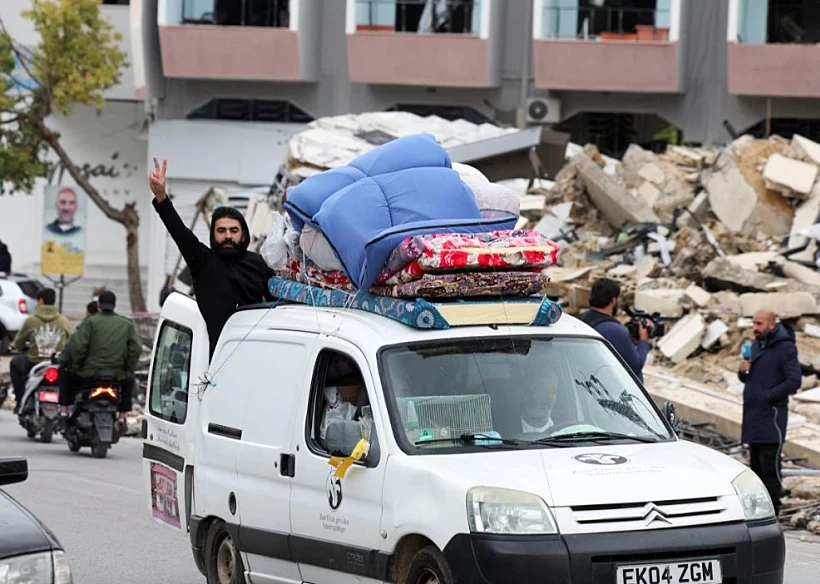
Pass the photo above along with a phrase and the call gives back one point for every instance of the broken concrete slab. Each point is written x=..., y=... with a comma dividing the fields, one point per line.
x=726, y=304
x=800, y=272
x=812, y=330
x=664, y=301
x=579, y=296
x=653, y=173
x=698, y=295
x=621, y=272
x=683, y=338
x=792, y=174
x=805, y=148
x=721, y=274
x=783, y=304
x=753, y=260
x=645, y=266
x=649, y=193
x=715, y=330
x=740, y=206
x=809, y=381
x=804, y=217
x=610, y=197
x=809, y=396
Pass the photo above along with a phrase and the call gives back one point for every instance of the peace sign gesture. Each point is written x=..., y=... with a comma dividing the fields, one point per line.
x=157, y=180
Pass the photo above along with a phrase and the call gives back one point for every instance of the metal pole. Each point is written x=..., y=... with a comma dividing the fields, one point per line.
x=768, y=116
x=60, y=286
x=525, y=64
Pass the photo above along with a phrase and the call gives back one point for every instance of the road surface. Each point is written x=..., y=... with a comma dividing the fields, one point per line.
x=97, y=509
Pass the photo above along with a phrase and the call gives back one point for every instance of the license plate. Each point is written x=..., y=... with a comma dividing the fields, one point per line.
x=684, y=572
x=51, y=397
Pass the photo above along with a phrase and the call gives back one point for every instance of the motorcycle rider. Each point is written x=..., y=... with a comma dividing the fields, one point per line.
x=45, y=332
x=105, y=340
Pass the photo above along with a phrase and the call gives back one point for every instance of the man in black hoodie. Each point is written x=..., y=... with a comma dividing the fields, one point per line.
x=226, y=275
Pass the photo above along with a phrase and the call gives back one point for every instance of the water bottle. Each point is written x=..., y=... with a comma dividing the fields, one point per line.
x=746, y=350
x=412, y=417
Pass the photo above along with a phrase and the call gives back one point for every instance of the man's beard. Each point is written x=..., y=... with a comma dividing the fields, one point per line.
x=228, y=251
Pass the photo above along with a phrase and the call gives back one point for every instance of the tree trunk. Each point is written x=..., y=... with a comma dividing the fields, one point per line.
x=127, y=217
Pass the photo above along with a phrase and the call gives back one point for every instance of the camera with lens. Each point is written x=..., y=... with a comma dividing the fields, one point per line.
x=652, y=323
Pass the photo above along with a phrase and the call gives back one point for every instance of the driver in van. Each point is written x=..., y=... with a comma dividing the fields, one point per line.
x=537, y=405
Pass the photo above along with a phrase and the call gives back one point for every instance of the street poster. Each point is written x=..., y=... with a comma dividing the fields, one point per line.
x=64, y=225
x=164, y=495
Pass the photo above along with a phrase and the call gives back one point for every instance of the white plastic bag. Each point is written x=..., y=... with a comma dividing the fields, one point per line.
x=275, y=249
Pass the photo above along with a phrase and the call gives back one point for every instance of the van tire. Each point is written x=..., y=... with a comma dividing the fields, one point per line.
x=428, y=567
x=223, y=562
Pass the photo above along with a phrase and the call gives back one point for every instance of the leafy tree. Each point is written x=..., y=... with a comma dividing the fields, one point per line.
x=76, y=60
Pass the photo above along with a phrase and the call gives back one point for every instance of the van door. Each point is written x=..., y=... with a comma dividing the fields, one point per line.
x=276, y=373
x=336, y=523
x=179, y=361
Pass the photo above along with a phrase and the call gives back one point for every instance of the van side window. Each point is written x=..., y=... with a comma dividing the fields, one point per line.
x=169, y=381
x=338, y=400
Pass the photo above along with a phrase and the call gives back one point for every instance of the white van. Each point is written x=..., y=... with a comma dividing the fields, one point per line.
x=496, y=454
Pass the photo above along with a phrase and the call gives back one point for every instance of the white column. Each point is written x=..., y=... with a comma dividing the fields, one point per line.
x=350, y=17
x=674, y=20
x=293, y=17
x=538, y=19
x=486, y=11
x=734, y=21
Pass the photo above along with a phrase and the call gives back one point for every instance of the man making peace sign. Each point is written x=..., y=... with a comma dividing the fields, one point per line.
x=226, y=275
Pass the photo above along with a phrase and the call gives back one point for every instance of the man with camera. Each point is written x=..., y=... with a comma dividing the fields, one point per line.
x=603, y=300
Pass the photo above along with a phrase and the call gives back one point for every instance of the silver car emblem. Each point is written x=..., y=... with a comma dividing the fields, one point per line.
x=652, y=513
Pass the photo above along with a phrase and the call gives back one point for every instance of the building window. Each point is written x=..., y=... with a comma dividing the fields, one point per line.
x=787, y=128
x=269, y=13
x=637, y=20
x=793, y=21
x=421, y=16
x=117, y=2
x=250, y=110
x=447, y=112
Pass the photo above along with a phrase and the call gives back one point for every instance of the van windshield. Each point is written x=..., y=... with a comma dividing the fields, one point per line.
x=514, y=392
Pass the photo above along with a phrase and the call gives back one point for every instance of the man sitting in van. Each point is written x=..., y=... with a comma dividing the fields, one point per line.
x=538, y=402
x=342, y=401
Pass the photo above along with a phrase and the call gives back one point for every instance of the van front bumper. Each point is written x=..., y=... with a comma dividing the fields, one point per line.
x=749, y=554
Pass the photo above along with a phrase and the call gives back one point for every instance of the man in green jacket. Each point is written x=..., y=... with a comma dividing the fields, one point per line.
x=45, y=332
x=105, y=340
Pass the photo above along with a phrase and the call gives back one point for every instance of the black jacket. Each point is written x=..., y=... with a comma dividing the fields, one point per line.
x=775, y=374
x=221, y=283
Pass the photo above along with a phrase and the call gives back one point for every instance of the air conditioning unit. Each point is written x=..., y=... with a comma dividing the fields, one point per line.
x=543, y=110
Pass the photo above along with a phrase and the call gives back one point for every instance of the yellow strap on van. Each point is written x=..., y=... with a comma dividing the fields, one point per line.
x=341, y=464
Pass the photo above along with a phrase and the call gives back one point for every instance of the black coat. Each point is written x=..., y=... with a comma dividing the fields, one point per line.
x=221, y=283
x=775, y=374
x=5, y=259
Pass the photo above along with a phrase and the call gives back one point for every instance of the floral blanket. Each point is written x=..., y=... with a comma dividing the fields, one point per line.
x=467, y=285
x=522, y=250
x=453, y=285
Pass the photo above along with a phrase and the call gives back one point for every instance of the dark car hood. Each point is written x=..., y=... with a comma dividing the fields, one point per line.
x=20, y=531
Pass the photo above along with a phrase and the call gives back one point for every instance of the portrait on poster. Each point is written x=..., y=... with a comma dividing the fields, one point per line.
x=64, y=227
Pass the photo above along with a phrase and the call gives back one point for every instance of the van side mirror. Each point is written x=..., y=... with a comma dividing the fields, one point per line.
x=668, y=411
x=13, y=470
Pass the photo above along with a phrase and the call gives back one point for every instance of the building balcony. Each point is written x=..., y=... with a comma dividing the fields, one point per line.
x=579, y=46
x=248, y=40
x=456, y=43
x=773, y=48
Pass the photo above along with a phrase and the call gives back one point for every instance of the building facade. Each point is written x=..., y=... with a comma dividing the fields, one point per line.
x=224, y=84
x=111, y=149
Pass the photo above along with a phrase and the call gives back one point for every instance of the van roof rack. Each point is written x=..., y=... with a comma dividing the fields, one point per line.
x=439, y=313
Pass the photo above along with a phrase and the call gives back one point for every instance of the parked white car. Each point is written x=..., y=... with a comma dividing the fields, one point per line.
x=17, y=303
x=479, y=454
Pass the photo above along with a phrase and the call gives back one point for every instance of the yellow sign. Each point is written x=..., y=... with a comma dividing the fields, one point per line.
x=63, y=249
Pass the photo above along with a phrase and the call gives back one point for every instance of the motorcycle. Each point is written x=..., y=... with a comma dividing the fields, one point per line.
x=40, y=402
x=93, y=421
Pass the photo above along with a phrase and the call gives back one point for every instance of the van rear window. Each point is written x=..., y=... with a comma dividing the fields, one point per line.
x=30, y=287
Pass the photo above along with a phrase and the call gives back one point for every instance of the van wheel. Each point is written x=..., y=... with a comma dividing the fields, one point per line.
x=223, y=563
x=429, y=567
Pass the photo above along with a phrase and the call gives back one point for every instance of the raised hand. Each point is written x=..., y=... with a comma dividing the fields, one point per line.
x=156, y=181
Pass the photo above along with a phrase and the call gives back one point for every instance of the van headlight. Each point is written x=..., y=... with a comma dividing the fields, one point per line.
x=494, y=510
x=754, y=497
x=42, y=568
